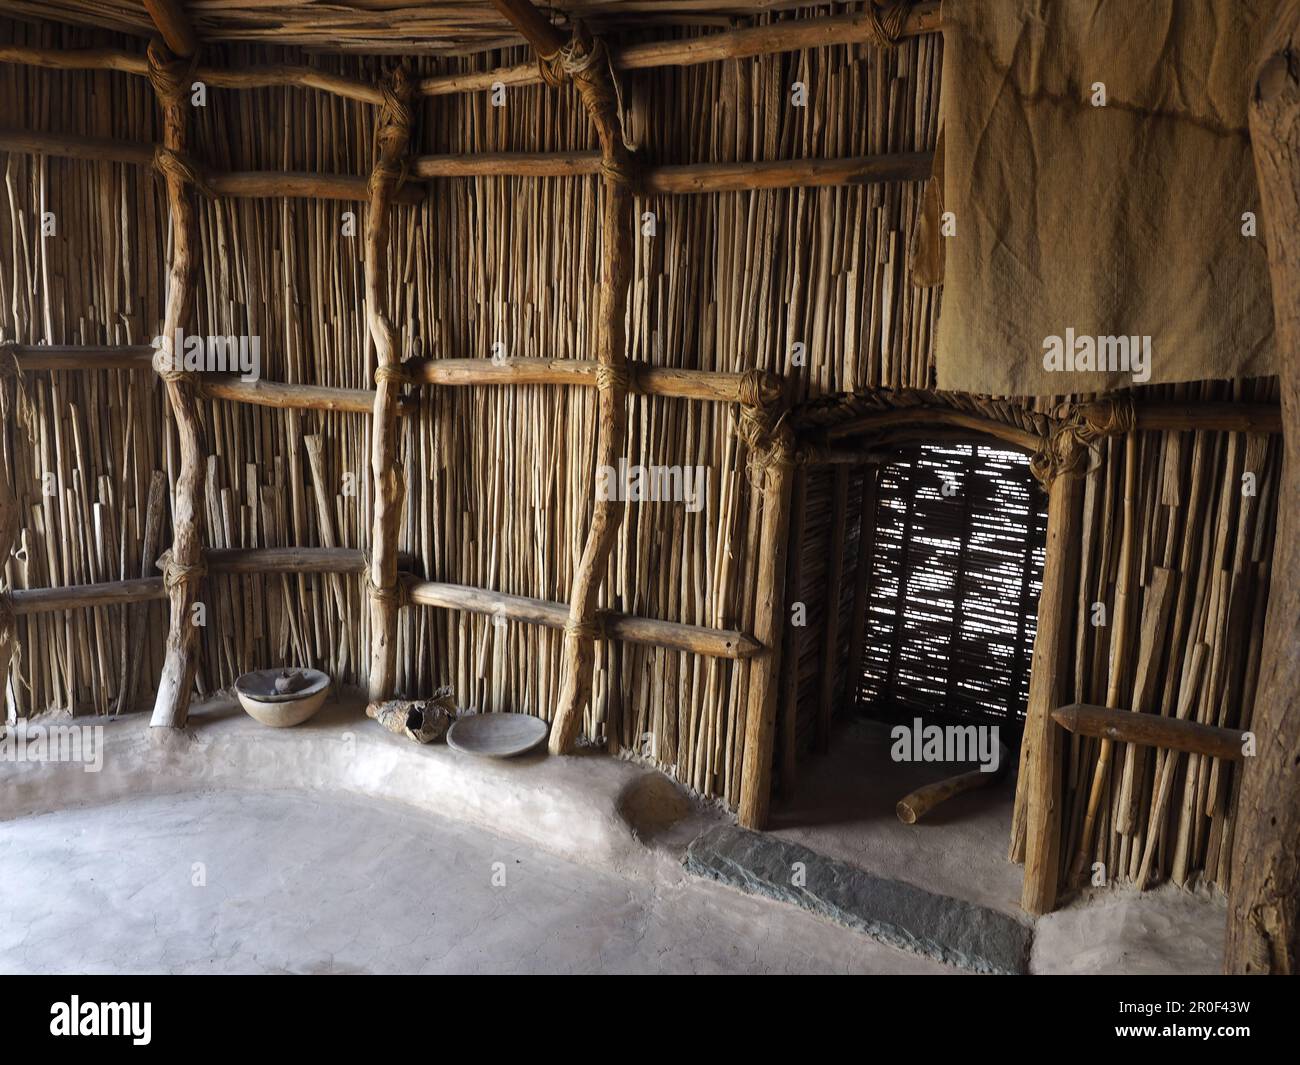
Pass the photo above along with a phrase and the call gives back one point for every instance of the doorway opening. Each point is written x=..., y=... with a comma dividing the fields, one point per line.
x=918, y=571
x=954, y=573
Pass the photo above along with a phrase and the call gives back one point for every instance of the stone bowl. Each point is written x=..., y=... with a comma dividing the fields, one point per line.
x=497, y=735
x=281, y=709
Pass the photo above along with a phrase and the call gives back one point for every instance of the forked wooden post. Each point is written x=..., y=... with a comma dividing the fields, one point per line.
x=1264, y=896
x=392, y=136
x=584, y=61
x=769, y=617
x=1041, y=756
x=184, y=571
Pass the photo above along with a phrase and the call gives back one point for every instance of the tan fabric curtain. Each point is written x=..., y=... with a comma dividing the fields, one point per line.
x=1105, y=239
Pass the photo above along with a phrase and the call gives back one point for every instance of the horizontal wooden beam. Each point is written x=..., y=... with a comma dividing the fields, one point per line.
x=677, y=180
x=257, y=184
x=253, y=77
x=82, y=356
x=290, y=396
x=584, y=373
x=285, y=395
x=1163, y=416
x=691, y=178
x=1151, y=730
x=223, y=561
x=75, y=596
x=249, y=560
x=716, y=643
x=786, y=35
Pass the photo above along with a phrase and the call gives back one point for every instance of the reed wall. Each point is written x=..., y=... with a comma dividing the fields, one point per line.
x=496, y=495
x=808, y=283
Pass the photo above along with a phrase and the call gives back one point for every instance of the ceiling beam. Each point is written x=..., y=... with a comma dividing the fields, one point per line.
x=174, y=25
x=534, y=26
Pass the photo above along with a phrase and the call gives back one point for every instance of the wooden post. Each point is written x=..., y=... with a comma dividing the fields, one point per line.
x=1057, y=606
x=862, y=575
x=1264, y=897
x=584, y=62
x=391, y=138
x=793, y=633
x=831, y=630
x=769, y=616
x=184, y=572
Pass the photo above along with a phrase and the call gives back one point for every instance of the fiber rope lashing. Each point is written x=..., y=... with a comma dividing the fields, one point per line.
x=398, y=592
x=581, y=55
x=393, y=131
x=179, y=573
x=885, y=24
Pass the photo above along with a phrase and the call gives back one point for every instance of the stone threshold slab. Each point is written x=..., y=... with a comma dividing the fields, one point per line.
x=890, y=911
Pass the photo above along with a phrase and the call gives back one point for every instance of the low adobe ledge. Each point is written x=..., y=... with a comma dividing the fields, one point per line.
x=576, y=807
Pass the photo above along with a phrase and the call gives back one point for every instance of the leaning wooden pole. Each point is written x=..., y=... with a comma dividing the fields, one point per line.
x=584, y=61
x=1264, y=897
x=1057, y=467
x=391, y=139
x=170, y=77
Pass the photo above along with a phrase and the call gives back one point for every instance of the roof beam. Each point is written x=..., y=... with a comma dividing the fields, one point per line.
x=530, y=22
x=174, y=25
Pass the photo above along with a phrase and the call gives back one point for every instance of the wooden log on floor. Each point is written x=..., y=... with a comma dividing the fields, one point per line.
x=171, y=705
x=784, y=35
x=1151, y=730
x=585, y=373
x=1041, y=756
x=1264, y=894
x=392, y=137
x=714, y=643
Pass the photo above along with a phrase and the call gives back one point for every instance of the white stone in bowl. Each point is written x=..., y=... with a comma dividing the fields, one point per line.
x=497, y=735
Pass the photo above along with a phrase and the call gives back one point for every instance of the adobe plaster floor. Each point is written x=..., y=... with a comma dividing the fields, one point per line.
x=317, y=884
x=338, y=847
